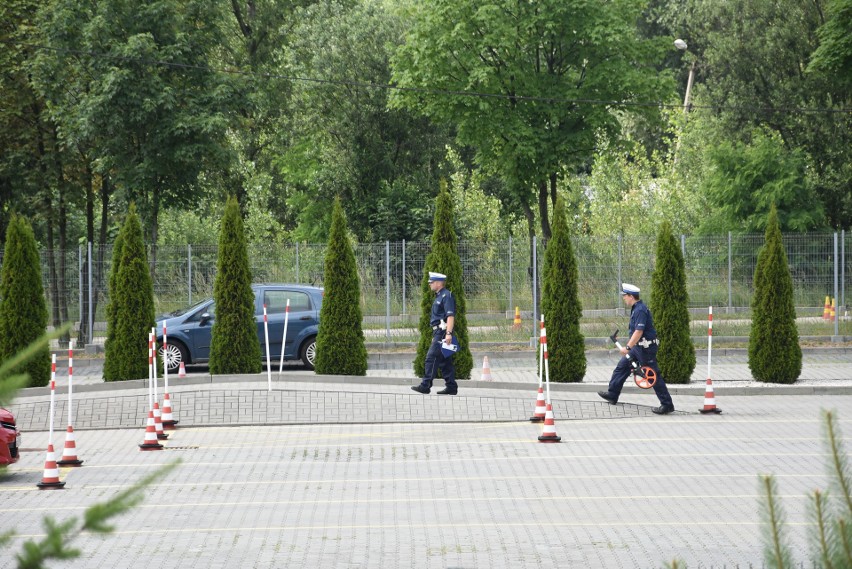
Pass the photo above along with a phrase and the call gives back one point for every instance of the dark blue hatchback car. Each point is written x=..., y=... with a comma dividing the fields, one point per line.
x=190, y=329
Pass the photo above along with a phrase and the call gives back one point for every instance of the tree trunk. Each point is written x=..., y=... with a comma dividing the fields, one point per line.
x=85, y=334
x=63, y=237
x=542, y=209
x=53, y=285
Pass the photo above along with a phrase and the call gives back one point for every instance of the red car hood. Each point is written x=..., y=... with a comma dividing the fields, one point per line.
x=6, y=416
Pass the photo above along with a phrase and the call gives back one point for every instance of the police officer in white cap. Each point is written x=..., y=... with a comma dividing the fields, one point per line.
x=442, y=321
x=642, y=345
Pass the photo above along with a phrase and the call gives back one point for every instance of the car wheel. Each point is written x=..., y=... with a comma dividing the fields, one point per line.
x=177, y=353
x=309, y=352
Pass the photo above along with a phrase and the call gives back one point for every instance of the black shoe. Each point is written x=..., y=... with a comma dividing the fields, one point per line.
x=420, y=389
x=662, y=410
x=447, y=391
x=608, y=396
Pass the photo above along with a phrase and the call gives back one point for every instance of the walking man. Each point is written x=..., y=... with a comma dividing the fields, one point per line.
x=642, y=345
x=442, y=321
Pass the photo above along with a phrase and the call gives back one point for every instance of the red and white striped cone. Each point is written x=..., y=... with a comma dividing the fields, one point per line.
x=150, y=442
x=182, y=370
x=540, y=407
x=69, y=453
x=168, y=418
x=486, y=370
x=709, y=400
x=158, y=422
x=50, y=479
x=548, y=434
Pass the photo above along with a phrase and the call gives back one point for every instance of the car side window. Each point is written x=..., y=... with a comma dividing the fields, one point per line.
x=210, y=309
x=276, y=301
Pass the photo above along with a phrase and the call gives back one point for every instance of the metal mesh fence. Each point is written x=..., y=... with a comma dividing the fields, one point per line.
x=497, y=278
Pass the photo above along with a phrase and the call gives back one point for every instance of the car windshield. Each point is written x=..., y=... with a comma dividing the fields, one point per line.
x=183, y=311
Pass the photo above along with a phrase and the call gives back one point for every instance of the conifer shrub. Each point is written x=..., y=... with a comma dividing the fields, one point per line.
x=23, y=308
x=670, y=309
x=774, y=354
x=131, y=306
x=340, y=340
x=560, y=304
x=234, y=347
x=444, y=258
x=109, y=363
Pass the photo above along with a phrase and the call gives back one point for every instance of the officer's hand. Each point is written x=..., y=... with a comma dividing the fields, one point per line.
x=624, y=351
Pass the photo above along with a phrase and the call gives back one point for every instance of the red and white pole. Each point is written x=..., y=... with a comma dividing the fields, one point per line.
x=69, y=453
x=150, y=371
x=266, y=339
x=546, y=363
x=52, y=396
x=165, y=359
x=709, y=340
x=541, y=354
x=284, y=338
x=548, y=433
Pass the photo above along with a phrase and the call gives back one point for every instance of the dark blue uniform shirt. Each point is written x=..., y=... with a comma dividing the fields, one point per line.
x=444, y=306
x=640, y=319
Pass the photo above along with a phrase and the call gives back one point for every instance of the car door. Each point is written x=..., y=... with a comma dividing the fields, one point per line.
x=302, y=315
x=198, y=329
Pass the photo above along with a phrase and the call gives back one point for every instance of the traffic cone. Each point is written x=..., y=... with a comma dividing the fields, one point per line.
x=516, y=324
x=168, y=419
x=833, y=314
x=182, y=370
x=548, y=434
x=158, y=422
x=150, y=442
x=486, y=370
x=540, y=408
x=50, y=479
x=709, y=400
x=826, y=312
x=69, y=454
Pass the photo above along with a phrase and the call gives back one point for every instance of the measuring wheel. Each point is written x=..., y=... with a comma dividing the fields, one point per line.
x=649, y=379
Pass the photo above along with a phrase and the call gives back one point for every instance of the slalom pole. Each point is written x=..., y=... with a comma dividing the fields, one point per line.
x=541, y=355
x=165, y=359
x=284, y=338
x=150, y=371
x=266, y=339
x=52, y=397
x=709, y=340
x=70, y=375
x=546, y=361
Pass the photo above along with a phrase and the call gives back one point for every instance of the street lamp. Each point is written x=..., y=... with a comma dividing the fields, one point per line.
x=681, y=45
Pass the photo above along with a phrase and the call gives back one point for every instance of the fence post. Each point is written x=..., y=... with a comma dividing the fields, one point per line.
x=730, y=276
x=617, y=306
x=80, y=281
x=843, y=267
x=534, y=290
x=683, y=245
x=510, y=274
x=387, y=291
x=297, y=263
x=189, y=272
x=91, y=335
x=404, y=306
x=836, y=337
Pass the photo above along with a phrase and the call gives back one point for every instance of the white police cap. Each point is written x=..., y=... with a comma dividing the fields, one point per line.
x=436, y=277
x=628, y=288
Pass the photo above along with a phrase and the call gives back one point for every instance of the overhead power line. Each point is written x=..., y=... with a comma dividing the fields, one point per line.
x=424, y=90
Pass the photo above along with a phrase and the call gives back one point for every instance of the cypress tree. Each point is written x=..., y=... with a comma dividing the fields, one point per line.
x=774, y=354
x=109, y=363
x=560, y=304
x=340, y=341
x=23, y=309
x=444, y=258
x=670, y=307
x=234, y=347
x=131, y=306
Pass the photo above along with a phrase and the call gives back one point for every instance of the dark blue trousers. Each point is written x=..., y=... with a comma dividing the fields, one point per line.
x=434, y=360
x=645, y=357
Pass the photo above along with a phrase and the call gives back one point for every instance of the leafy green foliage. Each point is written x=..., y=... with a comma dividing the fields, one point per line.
x=340, y=341
x=670, y=306
x=131, y=307
x=774, y=354
x=234, y=347
x=834, y=54
x=444, y=258
x=776, y=552
x=23, y=311
x=560, y=304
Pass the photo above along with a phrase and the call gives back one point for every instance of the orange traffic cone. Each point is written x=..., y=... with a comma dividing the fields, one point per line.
x=548, y=434
x=50, y=479
x=150, y=442
x=168, y=419
x=486, y=370
x=69, y=454
x=833, y=314
x=158, y=422
x=182, y=370
x=540, y=408
x=516, y=324
x=710, y=400
x=826, y=312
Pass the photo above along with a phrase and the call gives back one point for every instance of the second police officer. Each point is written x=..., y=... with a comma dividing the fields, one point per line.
x=442, y=320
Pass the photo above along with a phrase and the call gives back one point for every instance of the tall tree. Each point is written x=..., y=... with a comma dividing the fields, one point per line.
x=112, y=312
x=340, y=341
x=560, y=304
x=131, y=307
x=234, y=347
x=444, y=258
x=23, y=312
x=670, y=305
x=774, y=354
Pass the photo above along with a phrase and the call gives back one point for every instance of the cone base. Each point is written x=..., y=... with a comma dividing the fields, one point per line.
x=162, y=436
x=170, y=425
x=150, y=446
x=70, y=462
x=714, y=410
x=549, y=439
x=51, y=485
x=535, y=419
